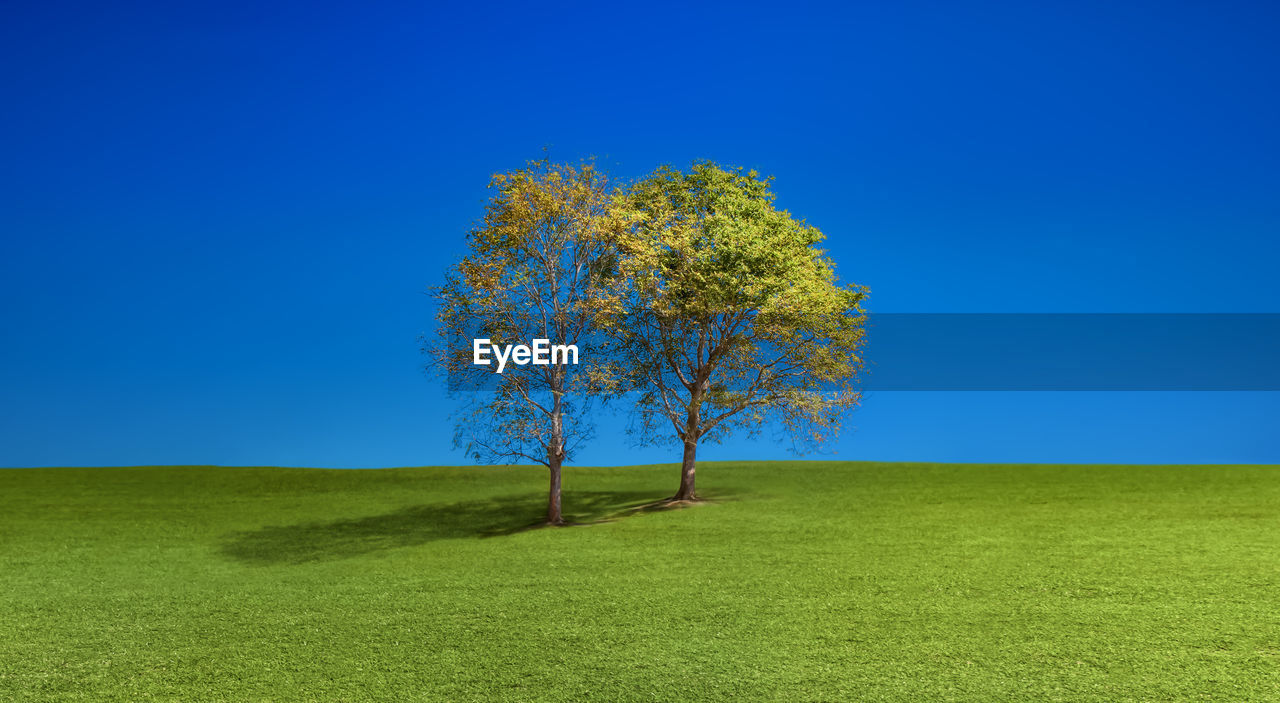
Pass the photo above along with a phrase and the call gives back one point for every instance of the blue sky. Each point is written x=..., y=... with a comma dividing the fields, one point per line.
x=218, y=220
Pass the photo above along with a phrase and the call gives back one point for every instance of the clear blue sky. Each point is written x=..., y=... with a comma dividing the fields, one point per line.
x=218, y=219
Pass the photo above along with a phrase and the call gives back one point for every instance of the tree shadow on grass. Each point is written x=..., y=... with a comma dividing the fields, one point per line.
x=420, y=524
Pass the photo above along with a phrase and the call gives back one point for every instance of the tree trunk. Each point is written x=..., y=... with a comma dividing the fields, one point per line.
x=555, y=456
x=690, y=436
x=686, y=491
x=554, y=517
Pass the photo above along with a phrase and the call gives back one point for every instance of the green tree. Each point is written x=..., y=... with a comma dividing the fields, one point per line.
x=536, y=269
x=730, y=316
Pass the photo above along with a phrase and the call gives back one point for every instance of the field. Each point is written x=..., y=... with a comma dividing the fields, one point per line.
x=795, y=581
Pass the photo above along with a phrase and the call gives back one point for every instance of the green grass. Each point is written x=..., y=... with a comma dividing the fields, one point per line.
x=799, y=581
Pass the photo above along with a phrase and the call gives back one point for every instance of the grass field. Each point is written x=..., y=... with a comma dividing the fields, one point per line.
x=797, y=581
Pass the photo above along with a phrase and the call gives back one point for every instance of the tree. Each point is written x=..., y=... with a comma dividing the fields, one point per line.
x=729, y=314
x=536, y=269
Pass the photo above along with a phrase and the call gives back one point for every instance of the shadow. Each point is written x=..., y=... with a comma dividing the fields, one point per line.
x=420, y=524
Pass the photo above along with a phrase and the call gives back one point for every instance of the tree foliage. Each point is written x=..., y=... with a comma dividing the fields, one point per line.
x=538, y=266
x=729, y=314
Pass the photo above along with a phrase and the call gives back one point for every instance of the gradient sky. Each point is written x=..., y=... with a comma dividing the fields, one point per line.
x=217, y=220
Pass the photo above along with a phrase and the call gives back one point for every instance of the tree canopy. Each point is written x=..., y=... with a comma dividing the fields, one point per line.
x=729, y=315
x=690, y=291
x=538, y=267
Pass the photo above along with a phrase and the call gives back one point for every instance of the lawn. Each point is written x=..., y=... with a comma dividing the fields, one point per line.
x=796, y=581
